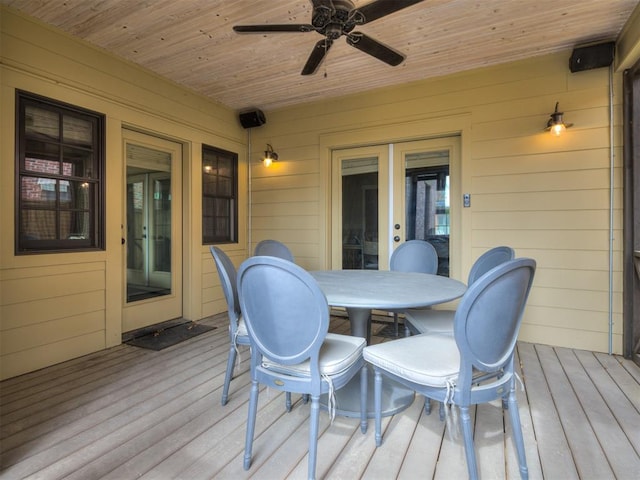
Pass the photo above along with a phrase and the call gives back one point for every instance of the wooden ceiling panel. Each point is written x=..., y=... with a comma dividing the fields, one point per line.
x=191, y=42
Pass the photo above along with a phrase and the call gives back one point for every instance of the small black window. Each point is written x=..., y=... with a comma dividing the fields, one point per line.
x=60, y=180
x=219, y=196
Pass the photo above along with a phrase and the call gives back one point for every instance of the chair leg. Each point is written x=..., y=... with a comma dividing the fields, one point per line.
x=470, y=453
x=364, y=380
x=287, y=401
x=377, y=402
x=395, y=323
x=313, y=436
x=442, y=413
x=427, y=406
x=231, y=361
x=251, y=423
x=516, y=428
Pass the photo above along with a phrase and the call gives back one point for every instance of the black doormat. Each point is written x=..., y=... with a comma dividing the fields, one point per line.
x=170, y=336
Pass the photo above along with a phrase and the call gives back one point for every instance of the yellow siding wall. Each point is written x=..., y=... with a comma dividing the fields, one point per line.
x=547, y=197
x=54, y=307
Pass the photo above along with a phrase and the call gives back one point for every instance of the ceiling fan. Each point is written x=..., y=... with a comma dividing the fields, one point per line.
x=334, y=18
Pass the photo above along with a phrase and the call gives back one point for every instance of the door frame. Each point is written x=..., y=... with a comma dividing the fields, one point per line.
x=167, y=307
x=457, y=124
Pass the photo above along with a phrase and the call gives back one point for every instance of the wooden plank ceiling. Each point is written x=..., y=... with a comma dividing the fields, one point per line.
x=191, y=42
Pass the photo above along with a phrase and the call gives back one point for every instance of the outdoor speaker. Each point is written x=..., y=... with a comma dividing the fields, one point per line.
x=594, y=56
x=252, y=118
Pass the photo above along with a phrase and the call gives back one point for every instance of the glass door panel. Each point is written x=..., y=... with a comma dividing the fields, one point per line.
x=153, y=231
x=359, y=219
x=422, y=202
x=148, y=228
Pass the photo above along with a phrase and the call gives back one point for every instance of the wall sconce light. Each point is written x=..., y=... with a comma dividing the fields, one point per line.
x=269, y=156
x=556, y=124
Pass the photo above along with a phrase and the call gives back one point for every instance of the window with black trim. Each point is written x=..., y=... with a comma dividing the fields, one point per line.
x=60, y=176
x=219, y=196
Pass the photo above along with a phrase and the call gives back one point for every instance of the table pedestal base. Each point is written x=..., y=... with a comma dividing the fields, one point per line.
x=395, y=397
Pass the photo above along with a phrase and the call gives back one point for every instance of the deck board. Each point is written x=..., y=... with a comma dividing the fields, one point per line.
x=128, y=413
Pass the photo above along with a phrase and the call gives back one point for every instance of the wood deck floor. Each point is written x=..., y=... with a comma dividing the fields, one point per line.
x=129, y=413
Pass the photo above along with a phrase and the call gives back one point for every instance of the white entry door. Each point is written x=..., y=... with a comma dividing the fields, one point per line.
x=152, y=231
x=384, y=195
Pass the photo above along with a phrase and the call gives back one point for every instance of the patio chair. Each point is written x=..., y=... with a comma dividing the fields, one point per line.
x=441, y=321
x=287, y=318
x=273, y=248
x=473, y=366
x=237, y=329
x=413, y=256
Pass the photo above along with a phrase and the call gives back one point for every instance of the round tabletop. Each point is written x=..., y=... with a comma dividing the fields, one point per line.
x=386, y=289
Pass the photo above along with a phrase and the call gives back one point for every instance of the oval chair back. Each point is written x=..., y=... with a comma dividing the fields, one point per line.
x=415, y=256
x=273, y=248
x=488, y=260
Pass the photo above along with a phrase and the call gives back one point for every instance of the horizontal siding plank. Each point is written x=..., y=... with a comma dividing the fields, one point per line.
x=36, y=358
x=533, y=220
x=540, y=201
x=37, y=288
x=41, y=311
x=46, y=333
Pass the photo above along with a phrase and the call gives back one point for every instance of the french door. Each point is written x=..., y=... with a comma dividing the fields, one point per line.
x=152, y=231
x=383, y=195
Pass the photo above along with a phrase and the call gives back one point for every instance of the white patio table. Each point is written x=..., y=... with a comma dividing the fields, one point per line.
x=360, y=291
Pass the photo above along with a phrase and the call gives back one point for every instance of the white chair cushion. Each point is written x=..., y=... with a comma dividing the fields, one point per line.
x=429, y=360
x=242, y=327
x=337, y=354
x=431, y=321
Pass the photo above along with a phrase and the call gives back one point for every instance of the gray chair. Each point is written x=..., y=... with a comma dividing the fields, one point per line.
x=287, y=318
x=237, y=329
x=273, y=248
x=413, y=256
x=472, y=367
x=419, y=321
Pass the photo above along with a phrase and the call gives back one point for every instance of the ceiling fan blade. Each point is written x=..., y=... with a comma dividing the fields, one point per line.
x=273, y=28
x=323, y=3
x=317, y=55
x=373, y=47
x=379, y=8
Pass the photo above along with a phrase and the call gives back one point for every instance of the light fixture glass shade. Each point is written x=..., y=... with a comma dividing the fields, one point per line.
x=269, y=156
x=556, y=123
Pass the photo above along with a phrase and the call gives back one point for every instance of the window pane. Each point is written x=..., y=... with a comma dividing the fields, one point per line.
x=77, y=163
x=225, y=167
x=41, y=124
x=225, y=187
x=77, y=131
x=75, y=195
x=38, y=192
x=75, y=226
x=38, y=224
x=209, y=185
x=39, y=165
x=37, y=149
